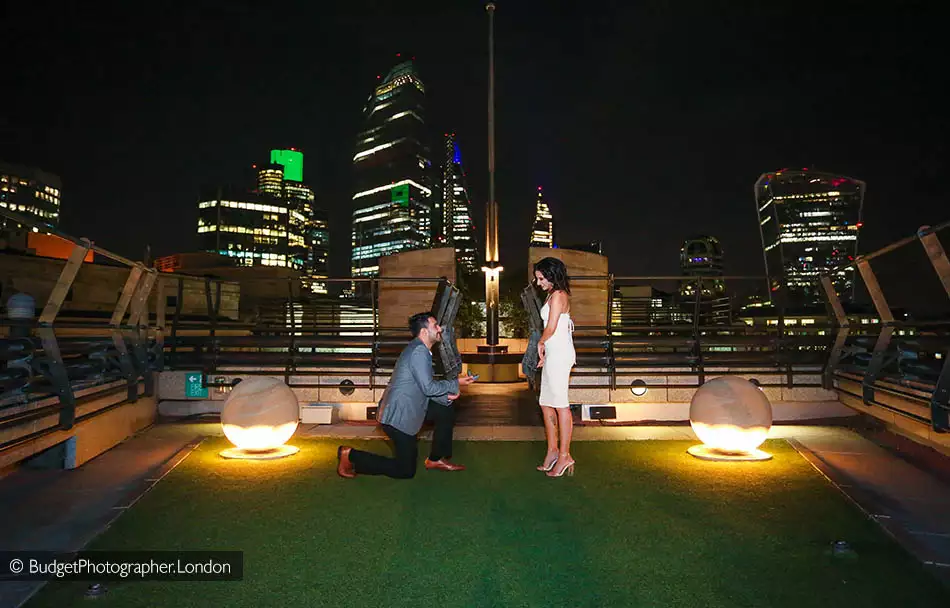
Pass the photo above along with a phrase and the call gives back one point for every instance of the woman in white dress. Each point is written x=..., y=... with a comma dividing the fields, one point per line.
x=556, y=358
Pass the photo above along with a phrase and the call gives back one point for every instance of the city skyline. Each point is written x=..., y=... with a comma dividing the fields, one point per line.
x=637, y=142
x=275, y=222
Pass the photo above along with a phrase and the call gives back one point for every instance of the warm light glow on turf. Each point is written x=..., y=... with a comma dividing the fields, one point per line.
x=259, y=437
x=730, y=439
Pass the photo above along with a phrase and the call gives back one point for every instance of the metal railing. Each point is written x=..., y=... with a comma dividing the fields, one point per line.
x=653, y=340
x=697, y=331
x=304, y=340
x=678, y=338
x=51, y=363
x=897, y=364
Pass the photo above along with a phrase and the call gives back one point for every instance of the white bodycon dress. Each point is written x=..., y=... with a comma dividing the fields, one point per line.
x=559, y=358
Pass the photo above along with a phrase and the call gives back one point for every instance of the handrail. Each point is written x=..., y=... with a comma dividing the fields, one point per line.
x=122, y=349
x=688, y=278
x=887, y=353
x=695, y=344
x=893, y=246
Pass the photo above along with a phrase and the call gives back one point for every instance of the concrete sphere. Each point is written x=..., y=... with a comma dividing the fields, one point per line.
x=261, y=413
x=731, y=415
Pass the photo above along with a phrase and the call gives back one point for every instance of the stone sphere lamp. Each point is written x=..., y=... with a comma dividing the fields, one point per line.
x=259, y=416
x=732, y=418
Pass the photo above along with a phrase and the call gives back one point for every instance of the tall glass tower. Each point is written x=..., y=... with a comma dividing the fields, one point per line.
x=393, y=206
x=457, y=224
x=809, y=223
x=542, y=234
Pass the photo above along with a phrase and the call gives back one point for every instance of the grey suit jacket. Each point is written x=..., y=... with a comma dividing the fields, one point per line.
x=412, y=385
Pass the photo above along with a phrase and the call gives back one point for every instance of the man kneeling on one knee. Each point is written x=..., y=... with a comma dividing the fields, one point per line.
x=405, y=406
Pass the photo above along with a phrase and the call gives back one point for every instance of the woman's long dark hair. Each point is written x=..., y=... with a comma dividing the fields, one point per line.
x=554, y=271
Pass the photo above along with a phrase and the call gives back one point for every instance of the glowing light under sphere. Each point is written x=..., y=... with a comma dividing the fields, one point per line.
x=730, y=414
x=260, y=414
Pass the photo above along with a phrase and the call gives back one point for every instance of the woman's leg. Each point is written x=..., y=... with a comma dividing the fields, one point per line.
x=565, y=423
x=550, y=433
x=566, y=426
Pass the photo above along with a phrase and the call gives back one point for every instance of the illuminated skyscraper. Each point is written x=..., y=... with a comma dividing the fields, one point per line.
x=542, y=234
x=809, y=223
x=30, y=192
x=277, y=224
x=306, y=217
x=270, y=180
x=254, y=228
x=319, y=254
x=393, y=203
x=458, y=227
x=701, y=256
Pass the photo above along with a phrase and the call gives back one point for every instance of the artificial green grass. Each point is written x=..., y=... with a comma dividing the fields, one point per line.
x=640, y=524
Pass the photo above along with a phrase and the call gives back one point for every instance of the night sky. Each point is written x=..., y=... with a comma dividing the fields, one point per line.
x=645, y=122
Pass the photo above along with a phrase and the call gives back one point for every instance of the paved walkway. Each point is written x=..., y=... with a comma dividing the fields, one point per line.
x=59, y=510
x=63, y=510
x=498, y=404
x=911, y=504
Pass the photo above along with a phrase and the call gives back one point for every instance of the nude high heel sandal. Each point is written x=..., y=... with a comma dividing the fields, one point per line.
x=569, y=469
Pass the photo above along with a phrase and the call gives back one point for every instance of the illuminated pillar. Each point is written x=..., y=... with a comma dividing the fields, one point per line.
x=491, y=269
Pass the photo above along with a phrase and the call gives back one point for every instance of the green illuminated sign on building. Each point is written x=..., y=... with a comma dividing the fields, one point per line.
x=400, y=194
x=291, y=160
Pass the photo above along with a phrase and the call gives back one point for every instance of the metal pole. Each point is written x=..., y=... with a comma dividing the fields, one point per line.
x=176, y=319
x=492, y=269
x=610, y=334
x=291, y=366
x=698, y=341
x=492, y=234
x=160, y=324
x=374, y=348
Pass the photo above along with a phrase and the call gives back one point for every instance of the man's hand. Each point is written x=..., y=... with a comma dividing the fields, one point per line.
x=466, y=380
x=453, y=397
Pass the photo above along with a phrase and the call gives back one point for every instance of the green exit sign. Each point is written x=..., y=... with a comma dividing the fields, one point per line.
x=193, y=386
x=400, y=194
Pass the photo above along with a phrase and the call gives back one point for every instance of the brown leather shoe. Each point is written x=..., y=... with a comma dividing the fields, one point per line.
x=344, y=468
x=443, y=465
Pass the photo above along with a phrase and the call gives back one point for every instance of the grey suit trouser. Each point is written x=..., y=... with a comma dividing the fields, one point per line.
x=405, y=447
